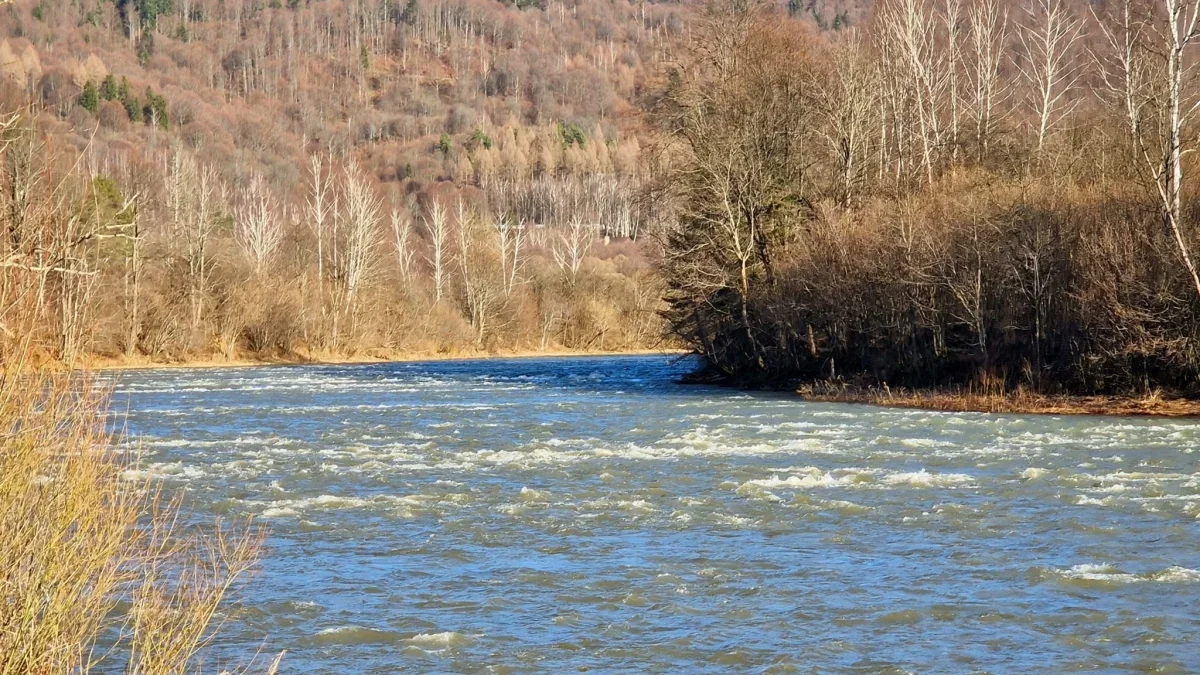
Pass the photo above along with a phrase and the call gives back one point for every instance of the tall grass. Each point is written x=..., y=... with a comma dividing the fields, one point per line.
x=91, y=552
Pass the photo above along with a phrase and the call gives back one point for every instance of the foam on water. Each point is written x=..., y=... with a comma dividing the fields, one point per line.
x=443, y=640
x=548, y=516
x=1110, y=574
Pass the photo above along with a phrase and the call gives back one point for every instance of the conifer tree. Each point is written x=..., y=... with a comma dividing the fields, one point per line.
x=108, y=88
x=89, y=98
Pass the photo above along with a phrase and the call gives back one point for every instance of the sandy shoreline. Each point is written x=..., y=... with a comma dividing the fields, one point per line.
x=328, y=360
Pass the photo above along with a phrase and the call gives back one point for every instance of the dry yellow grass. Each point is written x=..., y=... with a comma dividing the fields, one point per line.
x=96, y=568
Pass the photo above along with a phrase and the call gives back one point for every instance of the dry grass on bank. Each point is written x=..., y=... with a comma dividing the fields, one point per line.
x=97, y=568
x=1019, y=402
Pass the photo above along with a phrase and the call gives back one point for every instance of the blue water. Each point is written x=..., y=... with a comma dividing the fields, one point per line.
x=543, y=515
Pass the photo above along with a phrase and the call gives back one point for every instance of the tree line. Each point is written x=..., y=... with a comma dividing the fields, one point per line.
x=170, y=260
x=963, y=193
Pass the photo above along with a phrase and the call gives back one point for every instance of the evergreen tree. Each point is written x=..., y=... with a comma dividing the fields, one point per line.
x=133, y=108
x=108, y=88
x=150, y=10
x=480, y=138
x=155, y=109
x=444, y=144
x=571, y=134
x=89, y=98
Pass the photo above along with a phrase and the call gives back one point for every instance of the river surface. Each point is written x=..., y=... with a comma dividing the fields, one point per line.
x=590, y=514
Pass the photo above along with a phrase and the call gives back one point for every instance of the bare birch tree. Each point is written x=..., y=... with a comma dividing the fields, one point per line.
x=478, y=287
x=127, y=229
x=401, y=230
x=318, y=208
x=1048, y=37
x=192, y=193
x=439, y=235
x=259, y=230
x=134, y=234
x=952, y=22
x=849, y=101
x=1123, y=64
x=571, y=247
x=1161, y=57
x=988, y=39
x=510, y=237
x=920, y=75
x=360, y=239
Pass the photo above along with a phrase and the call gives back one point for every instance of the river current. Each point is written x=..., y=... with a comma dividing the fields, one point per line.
x=591, y=514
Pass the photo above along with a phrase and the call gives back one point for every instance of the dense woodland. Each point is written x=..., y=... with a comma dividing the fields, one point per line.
x=961, y=193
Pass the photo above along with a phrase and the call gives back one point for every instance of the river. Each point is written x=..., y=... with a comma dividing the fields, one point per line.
x=572, y=514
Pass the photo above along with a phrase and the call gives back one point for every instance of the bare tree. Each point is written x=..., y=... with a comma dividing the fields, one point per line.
x=510, y=236
x=571, y=247
x=952, y=21
x=439, y=235
x=192, y=194
x=478, y=287
x=1124, y=67
x=128, y=229
x=318, y=206
x=135, y=234
x=259, y=227
x=1163, y=152
x=919, y=77
x=989, y=36
x=360, y=239
x=1047, y=37
x=401, y=227
x=849, y=101
x=69, y=242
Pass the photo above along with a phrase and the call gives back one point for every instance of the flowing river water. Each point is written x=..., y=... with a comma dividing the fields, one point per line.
x=590, y=514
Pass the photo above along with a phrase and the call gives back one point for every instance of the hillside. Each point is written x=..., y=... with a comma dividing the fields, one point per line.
x=529, y=112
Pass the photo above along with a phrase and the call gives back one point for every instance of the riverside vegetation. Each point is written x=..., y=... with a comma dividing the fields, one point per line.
x=98, y=570
x=961, y=195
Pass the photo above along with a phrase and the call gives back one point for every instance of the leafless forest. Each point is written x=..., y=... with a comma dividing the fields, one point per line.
x=206, y=179
x=956, y=193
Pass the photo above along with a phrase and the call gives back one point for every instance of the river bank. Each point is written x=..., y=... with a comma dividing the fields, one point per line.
x=145, y=363
x=1152, y=405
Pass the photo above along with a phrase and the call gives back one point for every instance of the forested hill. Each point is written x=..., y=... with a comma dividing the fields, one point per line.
x=497, y=149
x=421, y=90
x=264, y=177
x=428, y=90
